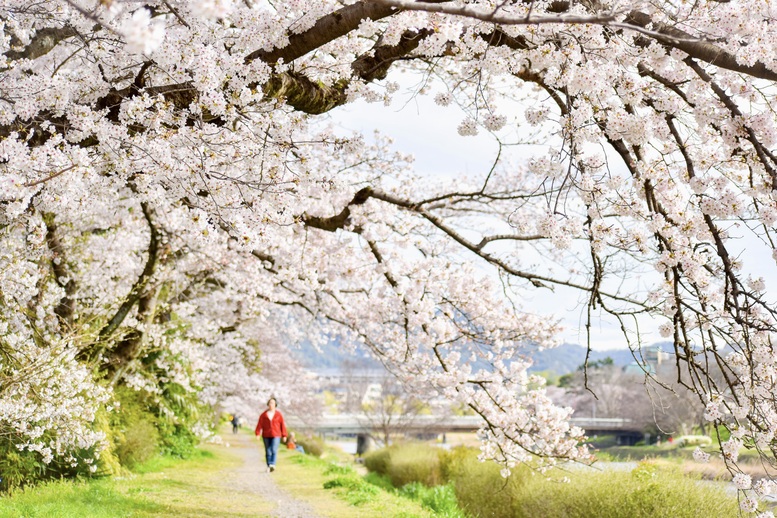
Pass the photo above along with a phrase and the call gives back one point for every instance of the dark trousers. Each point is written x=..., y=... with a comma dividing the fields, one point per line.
x=271, y=449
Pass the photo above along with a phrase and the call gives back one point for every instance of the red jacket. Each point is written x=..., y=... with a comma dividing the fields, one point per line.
x=274, y=428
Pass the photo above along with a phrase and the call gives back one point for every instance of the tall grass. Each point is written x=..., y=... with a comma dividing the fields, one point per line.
x=649, y=491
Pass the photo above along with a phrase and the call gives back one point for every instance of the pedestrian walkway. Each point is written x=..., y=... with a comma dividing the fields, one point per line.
x=252, y=477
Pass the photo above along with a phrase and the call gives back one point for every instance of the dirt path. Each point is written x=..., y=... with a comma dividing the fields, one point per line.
x=252, y=477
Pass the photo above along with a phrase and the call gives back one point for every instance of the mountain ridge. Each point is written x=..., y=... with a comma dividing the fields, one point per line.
x=559, y=360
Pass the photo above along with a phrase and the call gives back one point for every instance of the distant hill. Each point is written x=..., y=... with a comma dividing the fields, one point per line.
x=559, y=360
x=333, y=355
x=567, y=358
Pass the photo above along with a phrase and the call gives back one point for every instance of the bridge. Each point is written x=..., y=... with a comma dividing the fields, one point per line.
x=624, y=430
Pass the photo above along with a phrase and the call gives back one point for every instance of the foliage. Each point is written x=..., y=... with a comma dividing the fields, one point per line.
x=134, y=428
x=481, y=491
x=404, y=463
x=414, y=462
x=378, y=461
x=597, y=364
x=440, y=499
x=20, y=468
x=381, y=481
x=357, y=490
x=645, y=493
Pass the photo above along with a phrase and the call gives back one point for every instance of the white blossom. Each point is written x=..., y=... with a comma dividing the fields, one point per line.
x=143, y=35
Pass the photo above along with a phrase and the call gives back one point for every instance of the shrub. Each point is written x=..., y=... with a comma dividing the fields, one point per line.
x=377, y=461
x=480, y=489
x=20, y=468
x=414, y=463
x=139, y=443
x=134, y=435
x=451, y=460
x=312, y=445
x=646, y=492
x=407, y=462
x=177, y=440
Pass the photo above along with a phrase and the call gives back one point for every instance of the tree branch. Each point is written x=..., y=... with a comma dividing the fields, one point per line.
x=326, y=29
x=44, y=42
x=138, y=289
x=66, y=307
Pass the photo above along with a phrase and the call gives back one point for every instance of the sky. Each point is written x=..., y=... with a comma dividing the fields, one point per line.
x=429, y=132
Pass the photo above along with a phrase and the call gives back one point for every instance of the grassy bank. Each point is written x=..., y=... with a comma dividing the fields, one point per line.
x=651, y=490
x=210, y=485
x=161, y=487
x=333, y=487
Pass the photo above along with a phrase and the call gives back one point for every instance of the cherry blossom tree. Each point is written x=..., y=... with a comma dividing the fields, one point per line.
x=156, y=155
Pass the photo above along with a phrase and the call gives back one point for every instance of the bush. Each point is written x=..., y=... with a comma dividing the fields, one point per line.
x=377, y=461
x=451, y=461
x=177, y=440
x=407, y=462
x=21, y=468
x=312, y=445
x=18, y=468
x=134, y=430
x=414, y=463
x=480, y=489
x=139, y=443
x=644, y=493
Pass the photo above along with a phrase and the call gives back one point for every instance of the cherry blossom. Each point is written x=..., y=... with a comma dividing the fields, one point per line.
x=172, y=192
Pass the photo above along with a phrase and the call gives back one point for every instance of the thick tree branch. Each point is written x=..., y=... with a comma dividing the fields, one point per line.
x=697, y=48
x=326, y=29
x=640, y=22
x=66, y=307
x=139, y=288
x=305, y=95
x=339, y=221
x=44, y=42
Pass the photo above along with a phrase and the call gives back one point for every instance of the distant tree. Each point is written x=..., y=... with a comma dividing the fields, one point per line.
x=605, y=390
x=394, y=413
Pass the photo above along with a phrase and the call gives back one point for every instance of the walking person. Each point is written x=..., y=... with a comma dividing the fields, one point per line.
x=272, y=429
x=235, y=423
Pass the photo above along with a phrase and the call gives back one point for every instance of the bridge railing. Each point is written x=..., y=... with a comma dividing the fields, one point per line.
x=354, y=423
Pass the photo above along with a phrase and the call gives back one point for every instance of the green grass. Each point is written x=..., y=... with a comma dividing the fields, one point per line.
x=162, y=486
x=334, y=488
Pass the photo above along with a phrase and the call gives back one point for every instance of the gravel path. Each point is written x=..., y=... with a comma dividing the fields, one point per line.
x=252, y=477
